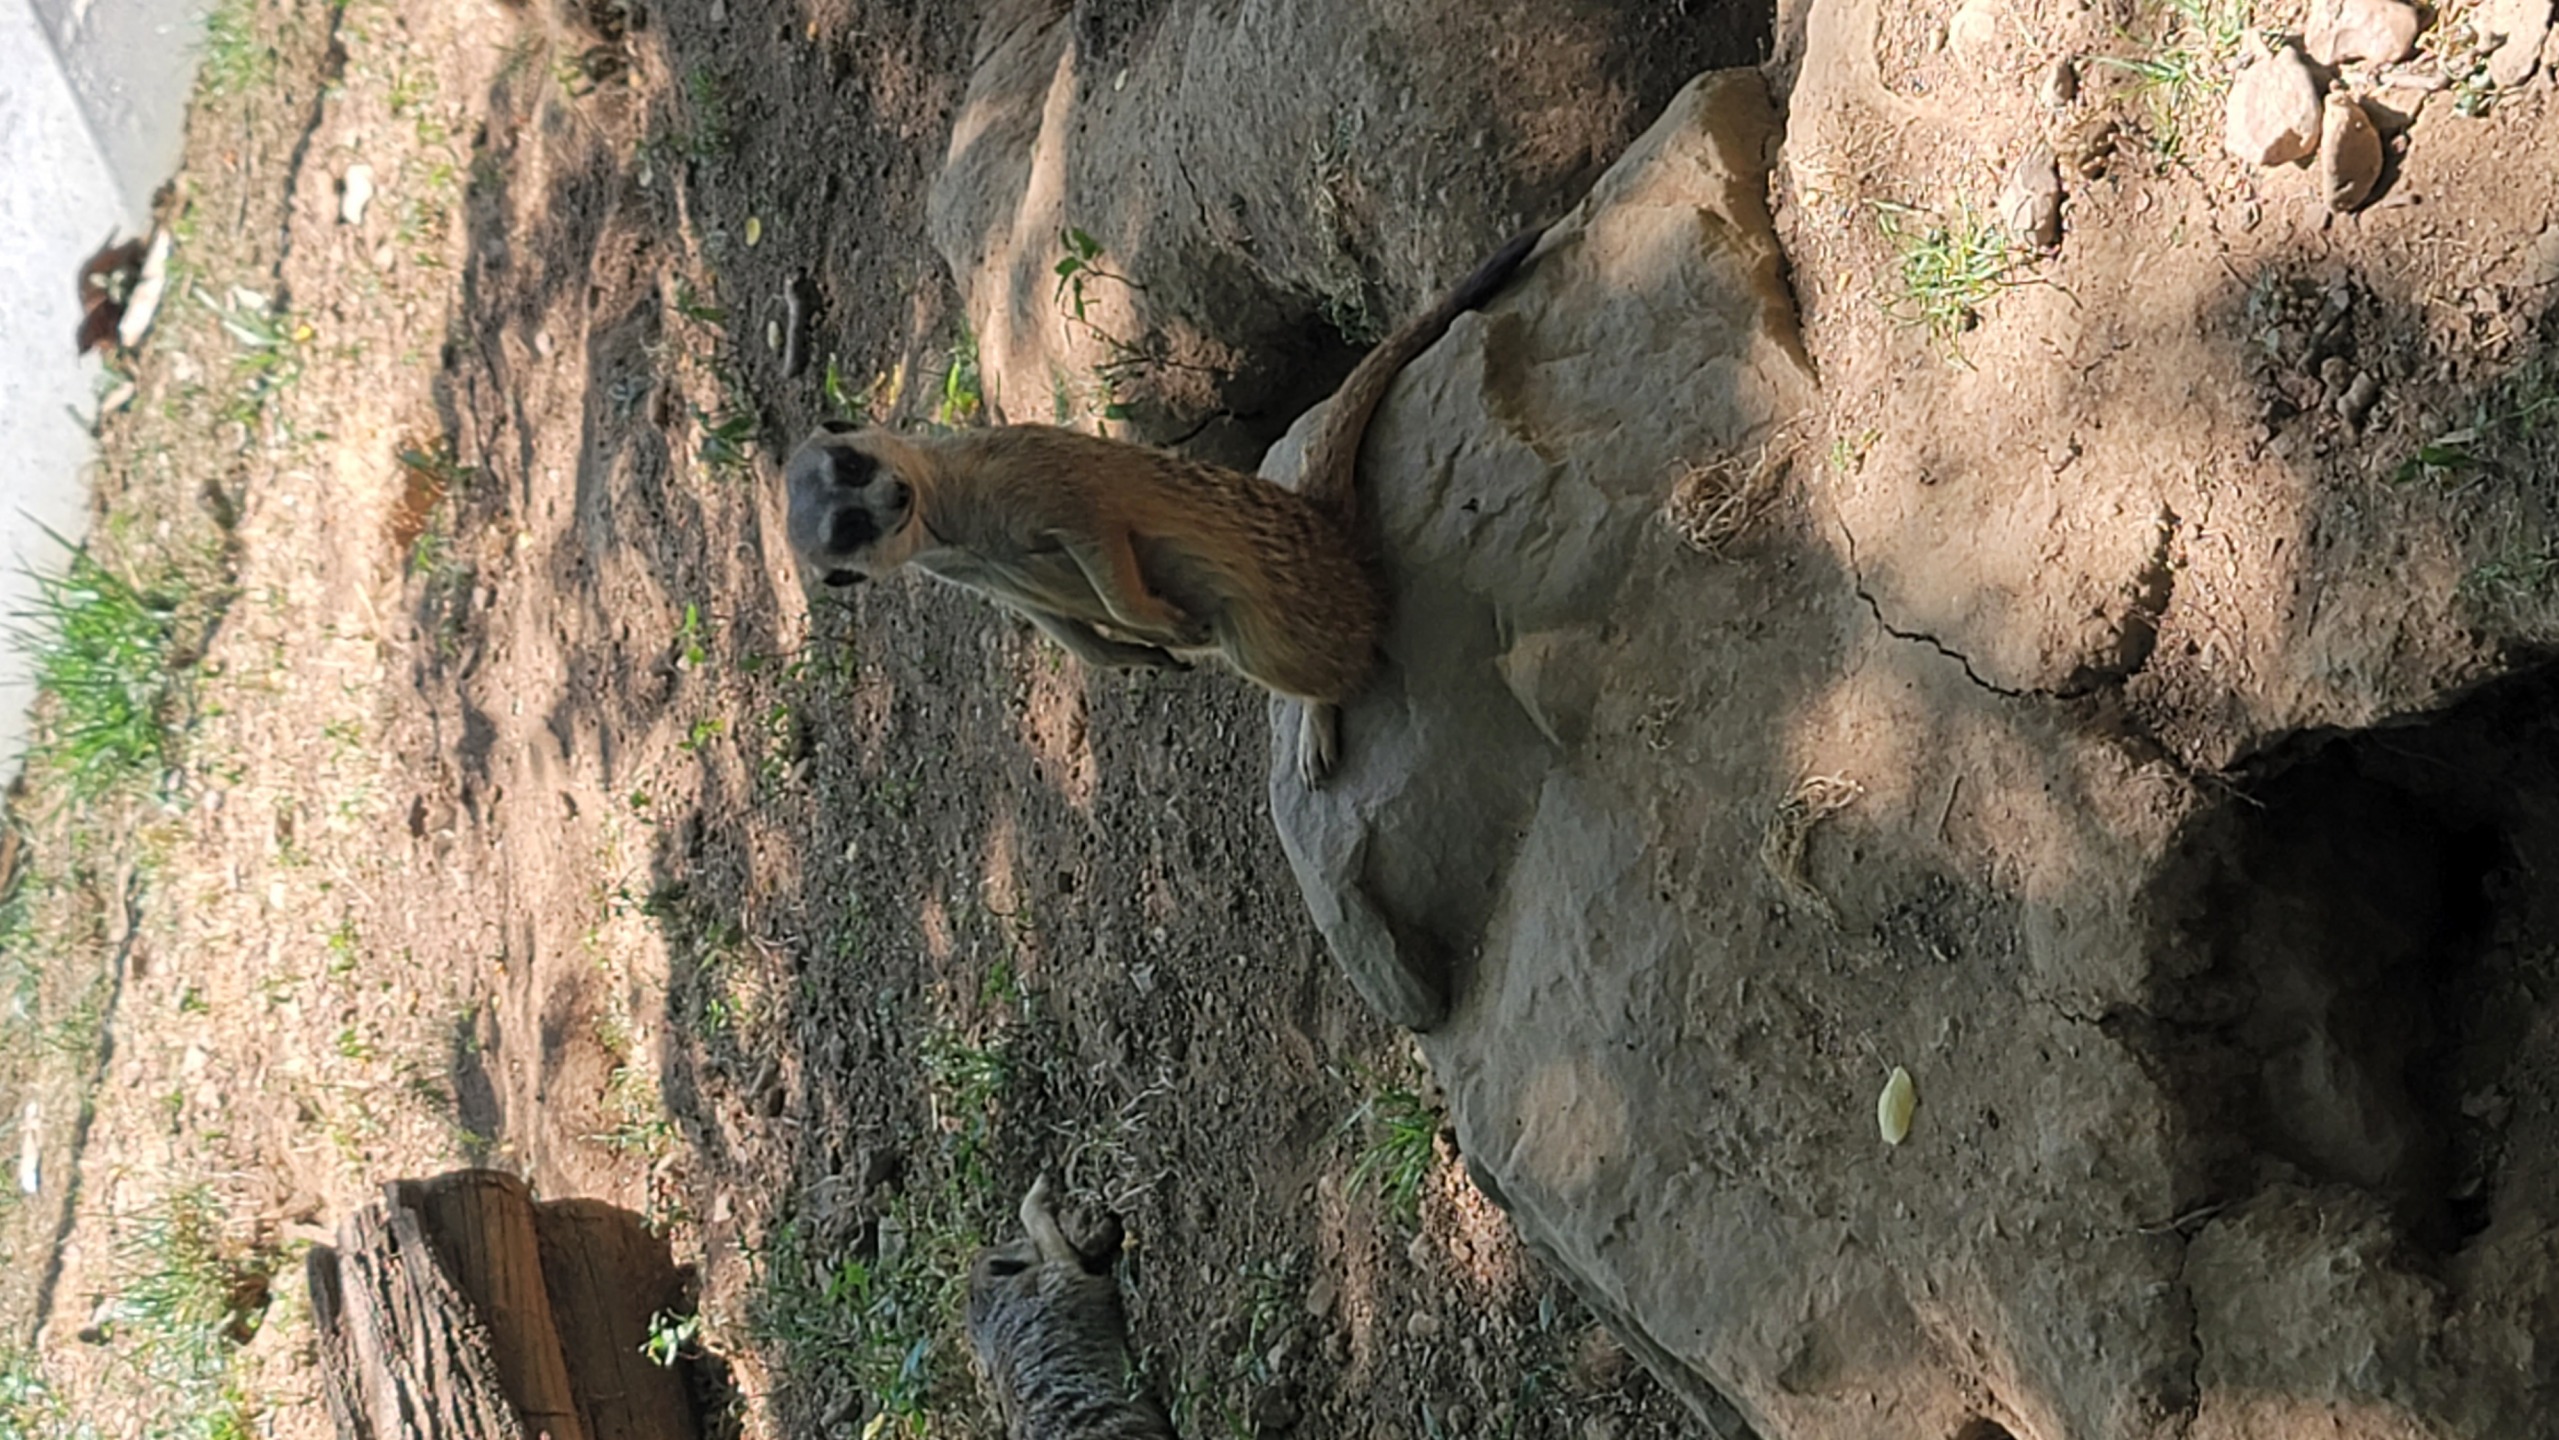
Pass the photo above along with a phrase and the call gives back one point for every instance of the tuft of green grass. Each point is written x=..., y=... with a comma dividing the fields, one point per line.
x=269, y=357
x=1950, y=267
x=671, y=1336
x=236, y=61
x=842, y=400
x=964, y=1081
x=2510, y=437
x=963, y=399
x=883, y=1318
x=2516, y=578
x=1401, y=1144
x=101, y=652
x=728, y=439
x=692, y=637
x=707, y=96
x=641, y=1125
x=31, y=1407
x=2184, y=67
x=187, y=1297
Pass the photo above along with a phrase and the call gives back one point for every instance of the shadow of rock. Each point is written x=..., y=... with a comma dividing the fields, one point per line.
x=1256, y=235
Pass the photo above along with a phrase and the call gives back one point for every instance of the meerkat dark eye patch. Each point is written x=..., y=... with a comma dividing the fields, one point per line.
x=847, y=469
x=841, y=578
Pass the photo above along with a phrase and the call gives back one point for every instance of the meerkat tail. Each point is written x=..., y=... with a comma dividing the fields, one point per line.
x=1332, y=455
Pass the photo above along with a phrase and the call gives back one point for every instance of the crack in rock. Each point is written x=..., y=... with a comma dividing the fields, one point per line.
x=2153, y=586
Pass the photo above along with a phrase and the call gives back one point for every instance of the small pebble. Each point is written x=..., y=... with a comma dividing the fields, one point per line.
x=2061, y=84
x=358, y=194
x=1423, y=1325
x=2030, y=203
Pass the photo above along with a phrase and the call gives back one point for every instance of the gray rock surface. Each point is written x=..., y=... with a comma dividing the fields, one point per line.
x=1699, y=850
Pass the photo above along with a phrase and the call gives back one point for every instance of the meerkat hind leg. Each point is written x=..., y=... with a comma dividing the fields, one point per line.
x=1319, y=741
x=1094, y=648
x=1110, y=565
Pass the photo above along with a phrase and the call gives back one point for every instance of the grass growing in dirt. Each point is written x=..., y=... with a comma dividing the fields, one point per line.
x=187, y=1295
x=100, y=652
x=2511, y=434
x=31, y=1408
x=879, y=1312
x=237, y=60
x=268, y=356
x=713, y=133
x=1950, y=267
x=2184, y=66
x=963, y=399
x=1399, y=1135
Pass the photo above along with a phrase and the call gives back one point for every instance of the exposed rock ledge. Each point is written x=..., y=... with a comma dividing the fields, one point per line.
x=1675, y=855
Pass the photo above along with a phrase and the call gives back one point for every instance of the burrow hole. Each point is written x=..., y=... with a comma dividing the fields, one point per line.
x=2353, y=955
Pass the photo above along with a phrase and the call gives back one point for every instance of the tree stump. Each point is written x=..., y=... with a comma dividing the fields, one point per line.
x=457, y=1309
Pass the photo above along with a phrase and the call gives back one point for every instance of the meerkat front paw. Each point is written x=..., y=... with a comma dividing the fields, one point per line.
x=1319, y=741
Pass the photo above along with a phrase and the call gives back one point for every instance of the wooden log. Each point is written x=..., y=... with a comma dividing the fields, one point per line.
x=403, y=1355
x=480, y=1223
x=456, y=1309
x=607, y=1276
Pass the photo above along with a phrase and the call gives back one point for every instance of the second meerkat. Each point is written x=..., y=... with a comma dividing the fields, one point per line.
x=1127, y=555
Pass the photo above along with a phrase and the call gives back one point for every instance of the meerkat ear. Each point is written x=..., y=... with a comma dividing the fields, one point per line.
x=841, y=578
x=833, y=426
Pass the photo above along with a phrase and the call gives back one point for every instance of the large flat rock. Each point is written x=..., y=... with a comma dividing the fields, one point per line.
x=1674, y=855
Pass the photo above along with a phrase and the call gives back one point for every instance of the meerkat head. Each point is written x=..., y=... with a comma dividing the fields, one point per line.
x=852, y=510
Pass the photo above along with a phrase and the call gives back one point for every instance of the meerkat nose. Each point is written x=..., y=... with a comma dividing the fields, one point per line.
x=849, y=529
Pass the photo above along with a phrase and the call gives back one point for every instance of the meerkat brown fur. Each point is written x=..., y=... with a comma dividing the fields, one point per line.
x=1129, y=556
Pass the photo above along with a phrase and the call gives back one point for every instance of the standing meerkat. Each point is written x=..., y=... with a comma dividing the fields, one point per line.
x=1044, y=1322
x=1129, y=556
